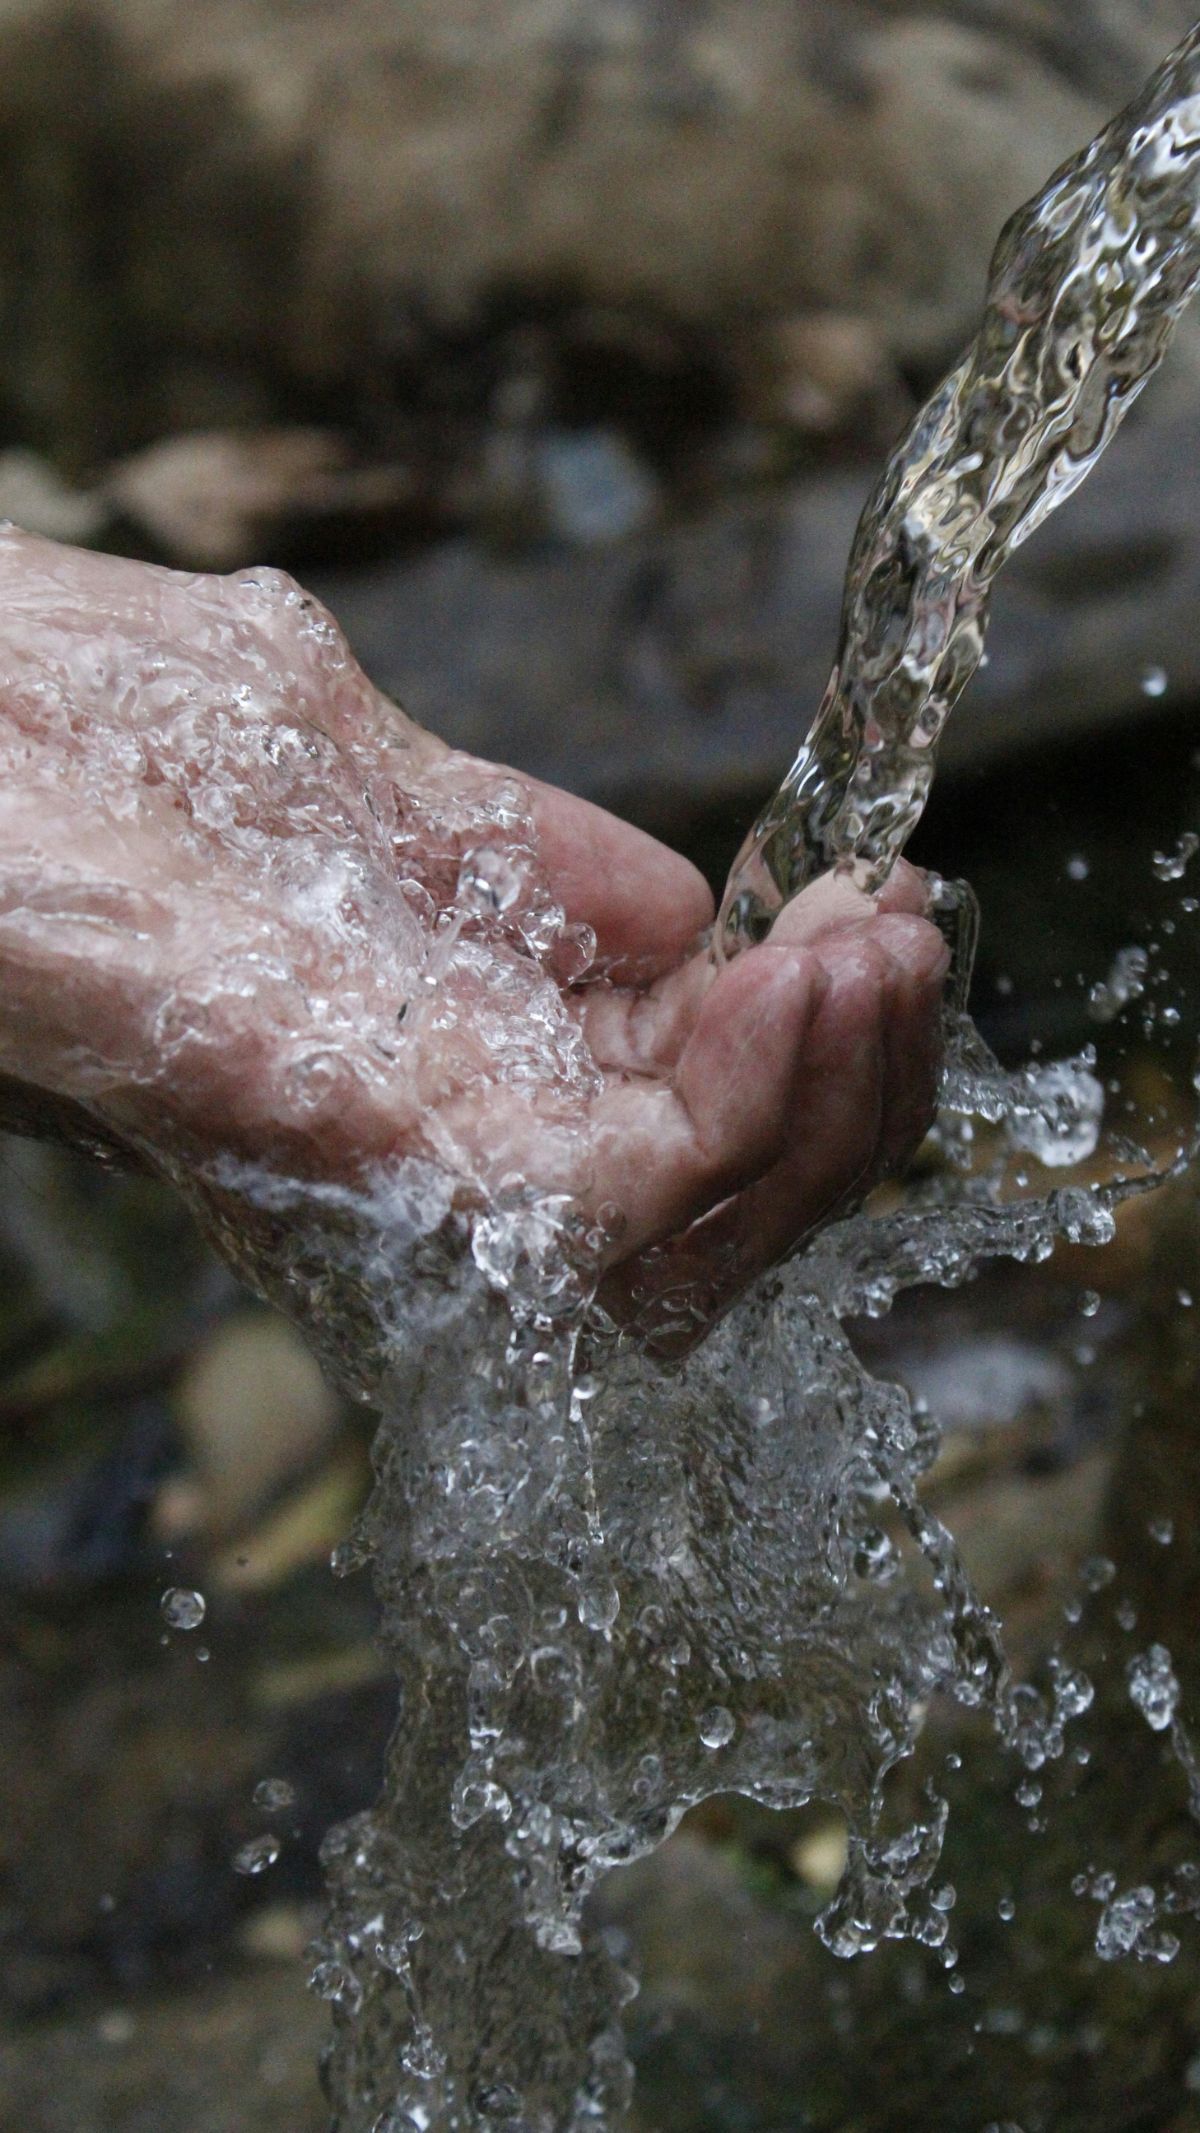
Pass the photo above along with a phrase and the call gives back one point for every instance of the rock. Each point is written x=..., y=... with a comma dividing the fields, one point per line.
x=826, y=375
x=240, y=2051
x=33, y=496
x=211, y=501
x=595, y=490
x=254, y=1413
x=301, y=1531
x=300, y=216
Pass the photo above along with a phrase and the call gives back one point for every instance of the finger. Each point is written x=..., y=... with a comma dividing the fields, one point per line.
x=664, y=1152
x=645, y=904
x=643, y=1030
x=833, y=902
x=912, y=1036
x=866, y=1099
x=906, y=889
x=833, y=1131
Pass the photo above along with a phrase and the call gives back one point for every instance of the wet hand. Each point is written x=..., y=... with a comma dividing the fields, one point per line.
x=232, y=919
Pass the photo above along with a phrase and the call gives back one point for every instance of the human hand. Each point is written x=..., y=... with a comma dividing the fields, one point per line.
x=247, y=906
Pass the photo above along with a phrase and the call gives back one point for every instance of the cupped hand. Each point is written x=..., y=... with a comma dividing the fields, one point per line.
x=246, y=906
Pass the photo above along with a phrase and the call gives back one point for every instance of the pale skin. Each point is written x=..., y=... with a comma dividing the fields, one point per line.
x=732, y=1109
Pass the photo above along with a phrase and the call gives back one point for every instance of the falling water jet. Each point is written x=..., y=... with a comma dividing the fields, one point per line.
x=1086, y=287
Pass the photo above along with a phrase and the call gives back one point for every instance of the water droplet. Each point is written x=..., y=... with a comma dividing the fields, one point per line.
x=1126, y=1928
x=1153, y=1686
x=598, y=1605
x=717, y=1727
x=334, y=1981
x=274, y=1795
x=256, y=1856
x=421, y=2057
x=1097, y=1572
x=1171, y=866
x=488, y=881
x=1126, y=981
x=497, y=2100
x=182, y=1608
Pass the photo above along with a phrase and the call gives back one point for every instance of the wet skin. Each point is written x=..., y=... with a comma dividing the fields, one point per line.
x=730, y=1111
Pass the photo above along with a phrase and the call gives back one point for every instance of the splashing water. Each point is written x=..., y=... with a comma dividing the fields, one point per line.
x=609, y=1588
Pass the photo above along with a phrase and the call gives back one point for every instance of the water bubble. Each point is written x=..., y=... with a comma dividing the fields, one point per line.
x=1006, y=1909
x=1125, y=1615
x=256, y=1856
x=1171, y=866
x=717, y=1727
x=182, y=1608
x=1089, y=1303
x=1154, y=681
x=489, y=881
x=1056, y=1112
x=334, y=1981
x=875, y=1558
x=1126, y=981
x=1077, y=867
x=598, y=1605
x=473, y=1797
x=496, y=2100
x=932, y=1930
x=1097, y=1572
x=1073, y=1690
x=274, y=1795
x=1153, y=1686
x=1162, y=1530
x=1028, y=1793
x=421, y=2056
x=1126, y=1928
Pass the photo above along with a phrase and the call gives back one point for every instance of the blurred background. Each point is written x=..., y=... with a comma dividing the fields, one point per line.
x=556, y=344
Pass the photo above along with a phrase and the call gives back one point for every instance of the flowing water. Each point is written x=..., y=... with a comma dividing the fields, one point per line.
x=1085, y=289
x=611, y=1588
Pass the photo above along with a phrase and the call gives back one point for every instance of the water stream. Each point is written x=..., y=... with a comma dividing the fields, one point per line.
x=611, y=1588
